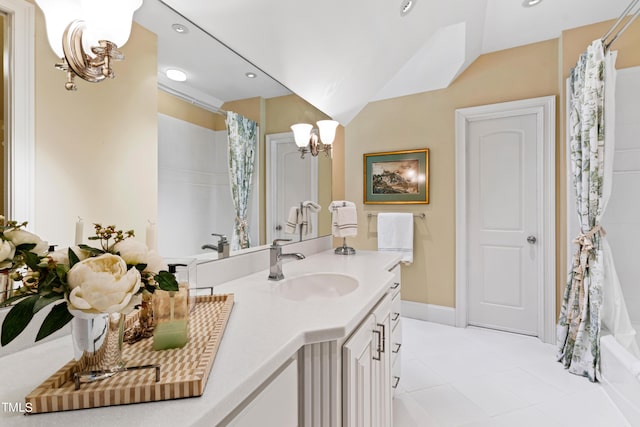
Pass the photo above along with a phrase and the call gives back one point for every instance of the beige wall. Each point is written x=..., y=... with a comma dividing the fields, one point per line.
x=426, y=120
x=96, y=149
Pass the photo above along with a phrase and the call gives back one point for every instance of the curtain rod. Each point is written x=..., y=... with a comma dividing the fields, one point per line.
x=618, y=22
x=191, y=100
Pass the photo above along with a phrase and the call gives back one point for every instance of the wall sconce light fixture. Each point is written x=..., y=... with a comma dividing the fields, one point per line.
x=310, y=140
x=86, y=35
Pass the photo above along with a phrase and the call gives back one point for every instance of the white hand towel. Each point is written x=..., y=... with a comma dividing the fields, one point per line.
x=395, y=234
x=344, y=218
x=308, y=208
x=293, y=220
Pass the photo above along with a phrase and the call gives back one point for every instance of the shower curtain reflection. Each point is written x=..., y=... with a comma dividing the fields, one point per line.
x=194, y=194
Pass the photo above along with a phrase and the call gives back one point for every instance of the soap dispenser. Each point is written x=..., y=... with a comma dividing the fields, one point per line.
x=171, y=312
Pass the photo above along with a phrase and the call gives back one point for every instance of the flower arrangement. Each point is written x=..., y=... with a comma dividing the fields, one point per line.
x=81, y=281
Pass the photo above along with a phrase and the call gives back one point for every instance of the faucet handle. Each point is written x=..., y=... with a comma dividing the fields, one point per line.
x=223, y=238
x=276, y=241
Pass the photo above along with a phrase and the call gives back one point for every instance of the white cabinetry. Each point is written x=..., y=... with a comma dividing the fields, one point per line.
x=275, y=403
x=396, y=330
x=371, y=364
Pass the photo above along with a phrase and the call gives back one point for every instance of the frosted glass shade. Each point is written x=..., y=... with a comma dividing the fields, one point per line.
x=327, y=131
x=58, y=14
x=301, y=133
x=108, y=20
x=105, y=20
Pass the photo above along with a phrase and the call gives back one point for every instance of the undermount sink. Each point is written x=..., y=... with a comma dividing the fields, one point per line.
x=317, y=286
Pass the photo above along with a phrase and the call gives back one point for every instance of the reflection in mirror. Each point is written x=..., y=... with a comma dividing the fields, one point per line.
x=194, y=191
x=3, y=119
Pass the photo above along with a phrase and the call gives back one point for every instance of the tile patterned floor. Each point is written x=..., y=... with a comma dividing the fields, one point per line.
x=477, y=377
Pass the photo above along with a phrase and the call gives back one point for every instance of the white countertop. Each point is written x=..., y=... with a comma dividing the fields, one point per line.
x=263, y=331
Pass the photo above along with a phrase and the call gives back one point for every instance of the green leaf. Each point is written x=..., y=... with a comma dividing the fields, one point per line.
x=17, y=319
x=56, y=319
x=92, y=251
x=32, y=260
x=25, y=247
x=166, y=281
x=10, y=301
x=73, y=258
x=139, y=267
x=45, y=300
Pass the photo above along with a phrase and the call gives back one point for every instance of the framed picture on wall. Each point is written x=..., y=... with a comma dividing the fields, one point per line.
x=397, y=177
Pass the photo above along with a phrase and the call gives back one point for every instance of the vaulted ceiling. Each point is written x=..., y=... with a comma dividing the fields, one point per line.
x=340, y=55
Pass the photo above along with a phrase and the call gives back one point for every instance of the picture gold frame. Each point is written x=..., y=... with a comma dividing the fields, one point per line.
x=396, y=177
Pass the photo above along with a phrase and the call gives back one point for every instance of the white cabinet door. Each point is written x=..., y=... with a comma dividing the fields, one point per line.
x=275, y=405
x=367, y=371
x=359, y=353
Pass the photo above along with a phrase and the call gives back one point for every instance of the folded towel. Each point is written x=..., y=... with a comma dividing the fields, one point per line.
x=293, y=220
x=308, y=208
x=344, y=218
x=395, y=234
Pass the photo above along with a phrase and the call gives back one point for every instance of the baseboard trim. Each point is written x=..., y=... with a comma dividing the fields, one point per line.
x=429, y=312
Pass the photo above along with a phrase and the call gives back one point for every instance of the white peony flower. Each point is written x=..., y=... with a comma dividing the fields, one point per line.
x=102, y=284
x=155, y=263
x=7, y=251
x=135, y=252
x=61, y=256
x=19, y=237
x=132, y=251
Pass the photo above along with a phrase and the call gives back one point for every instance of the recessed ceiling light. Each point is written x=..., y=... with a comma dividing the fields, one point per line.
x=176, y=75
x=251, y=75
x=531, y=3
x=406, y=6
x=180, y=29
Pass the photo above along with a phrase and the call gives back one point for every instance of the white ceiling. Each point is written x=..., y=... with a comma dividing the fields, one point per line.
x=340, y=55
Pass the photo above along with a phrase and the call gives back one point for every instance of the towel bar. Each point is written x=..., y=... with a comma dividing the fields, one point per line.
x=420, y=215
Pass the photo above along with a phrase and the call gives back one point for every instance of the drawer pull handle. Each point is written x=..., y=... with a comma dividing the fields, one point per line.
x=397, y=350
x=395, y=316
x=377, y=332
x=395, y=285
x=384, y=339
x=397, y=379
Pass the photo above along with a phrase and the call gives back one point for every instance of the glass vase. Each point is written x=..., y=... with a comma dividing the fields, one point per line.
x=97, y=343
x=6, y=286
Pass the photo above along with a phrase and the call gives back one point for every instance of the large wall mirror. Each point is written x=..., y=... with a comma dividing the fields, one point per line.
x=194, y=195
x=61, y=156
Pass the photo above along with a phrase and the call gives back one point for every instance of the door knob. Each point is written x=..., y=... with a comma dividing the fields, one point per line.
x=531, y=239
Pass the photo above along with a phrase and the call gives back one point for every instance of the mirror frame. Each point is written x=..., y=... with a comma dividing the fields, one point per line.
x=20, y=105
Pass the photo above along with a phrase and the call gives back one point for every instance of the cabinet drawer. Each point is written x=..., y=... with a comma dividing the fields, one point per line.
x=395, y=377
x=396, y=342
x=395, y=311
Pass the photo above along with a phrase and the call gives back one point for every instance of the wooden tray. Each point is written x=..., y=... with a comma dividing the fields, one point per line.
x=183, y=371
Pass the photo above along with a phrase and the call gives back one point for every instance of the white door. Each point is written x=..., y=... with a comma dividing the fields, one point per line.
x=503, y=223
x=292, y=180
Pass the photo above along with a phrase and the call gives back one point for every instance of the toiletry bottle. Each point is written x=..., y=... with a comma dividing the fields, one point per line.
x=171, y=314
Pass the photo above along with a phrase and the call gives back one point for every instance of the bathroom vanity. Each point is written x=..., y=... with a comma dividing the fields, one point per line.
x=290, y=355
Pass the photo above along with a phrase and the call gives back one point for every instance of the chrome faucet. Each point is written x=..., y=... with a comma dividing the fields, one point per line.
x=275, y=258
x=222, y=247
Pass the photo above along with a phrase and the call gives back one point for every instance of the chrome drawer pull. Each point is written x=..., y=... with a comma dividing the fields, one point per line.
x=395, y=285
x=395, y=316
x=384, y=339
x=397, y=350
x=397, y=381
x=375, y=331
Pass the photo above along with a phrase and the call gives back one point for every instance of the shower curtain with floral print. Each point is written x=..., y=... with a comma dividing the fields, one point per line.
x=243, y=140
x=580, y=319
